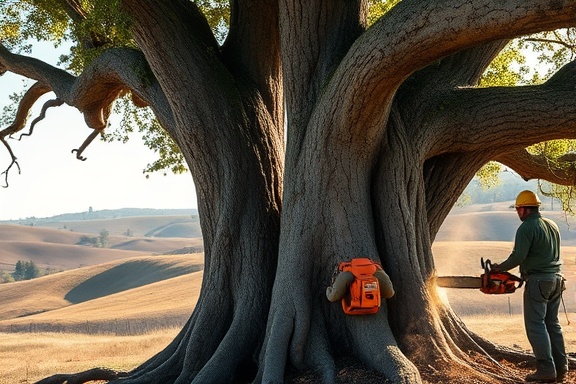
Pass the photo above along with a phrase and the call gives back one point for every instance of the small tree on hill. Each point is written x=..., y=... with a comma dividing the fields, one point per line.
x=19, y=270
x=31, y=270
x=103, y=238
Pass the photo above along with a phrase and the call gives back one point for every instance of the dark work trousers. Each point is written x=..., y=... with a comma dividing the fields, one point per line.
x=542, y=296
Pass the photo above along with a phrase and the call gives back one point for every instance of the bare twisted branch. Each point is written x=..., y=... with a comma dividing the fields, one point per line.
x=48, y=104
x=115, y=73
x=30, y=97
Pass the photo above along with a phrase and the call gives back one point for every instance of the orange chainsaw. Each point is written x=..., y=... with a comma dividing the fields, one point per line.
x=491, y=282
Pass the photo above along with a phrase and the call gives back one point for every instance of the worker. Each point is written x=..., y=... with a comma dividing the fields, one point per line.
x=537, y=252
x=339, y=287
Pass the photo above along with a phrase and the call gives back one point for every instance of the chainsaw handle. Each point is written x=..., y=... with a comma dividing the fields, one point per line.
x=486, y=265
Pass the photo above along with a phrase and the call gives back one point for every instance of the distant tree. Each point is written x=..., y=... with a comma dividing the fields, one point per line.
x=19, y=270
x=103, y=238
x=25, y=270
x=31, y=270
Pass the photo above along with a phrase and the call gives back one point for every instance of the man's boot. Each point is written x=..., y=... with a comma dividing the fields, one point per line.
x=545, y=373
x=561, y=372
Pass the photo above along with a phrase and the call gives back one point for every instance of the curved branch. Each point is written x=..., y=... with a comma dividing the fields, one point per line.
x=530, y=166
x=116, y=72
x=48, y=104
x=473, y=119
x=30, y=97
x=412, y=35
x=57, y=79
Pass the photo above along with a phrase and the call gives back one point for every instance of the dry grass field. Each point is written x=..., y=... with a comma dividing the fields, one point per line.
x=28, y=357
x=118, y=311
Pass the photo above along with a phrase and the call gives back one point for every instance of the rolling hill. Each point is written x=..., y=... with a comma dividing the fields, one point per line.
x=142, y=289
x=60, y=248
x=133, y=282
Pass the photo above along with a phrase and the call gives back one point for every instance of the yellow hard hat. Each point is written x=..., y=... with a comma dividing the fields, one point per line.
x=527, y=199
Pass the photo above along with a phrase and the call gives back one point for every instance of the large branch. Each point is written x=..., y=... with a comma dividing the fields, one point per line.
x=57, y=79
x=412, y=35
x=508, y=118
x=530, y=166
x=116, y=72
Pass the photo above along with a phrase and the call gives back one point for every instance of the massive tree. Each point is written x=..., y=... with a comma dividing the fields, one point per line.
x=312, y=138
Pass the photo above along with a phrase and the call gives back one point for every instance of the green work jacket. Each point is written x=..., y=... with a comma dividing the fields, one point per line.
x=536, y=247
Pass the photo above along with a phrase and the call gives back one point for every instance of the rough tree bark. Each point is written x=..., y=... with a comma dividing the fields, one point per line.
x=385, y=128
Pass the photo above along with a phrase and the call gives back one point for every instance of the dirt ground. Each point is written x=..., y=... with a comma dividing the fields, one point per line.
x=355, y=374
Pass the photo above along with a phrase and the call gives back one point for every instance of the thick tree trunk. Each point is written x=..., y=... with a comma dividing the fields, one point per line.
x=238, y=183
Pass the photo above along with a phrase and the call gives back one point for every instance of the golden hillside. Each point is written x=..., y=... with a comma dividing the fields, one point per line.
x=146, y=288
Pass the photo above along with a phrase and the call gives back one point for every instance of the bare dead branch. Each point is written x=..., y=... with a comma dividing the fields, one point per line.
x=49, y=104
x=83, y=377
x=30, y=97
x=85, y=144
x=13, y=162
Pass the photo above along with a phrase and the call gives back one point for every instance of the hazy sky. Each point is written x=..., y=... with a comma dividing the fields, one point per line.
x=53, y=181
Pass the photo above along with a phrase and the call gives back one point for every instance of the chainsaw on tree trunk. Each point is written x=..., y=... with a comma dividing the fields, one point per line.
x=491, y=282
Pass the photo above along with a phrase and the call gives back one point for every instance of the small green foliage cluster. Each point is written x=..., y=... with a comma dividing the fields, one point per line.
x=377, y=8
x=22, y=21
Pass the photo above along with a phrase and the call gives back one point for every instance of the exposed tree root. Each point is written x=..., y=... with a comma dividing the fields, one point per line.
x=83, y=377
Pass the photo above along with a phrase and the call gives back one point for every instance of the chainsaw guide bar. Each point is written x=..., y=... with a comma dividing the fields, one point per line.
x=469, y=282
